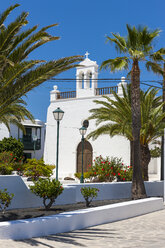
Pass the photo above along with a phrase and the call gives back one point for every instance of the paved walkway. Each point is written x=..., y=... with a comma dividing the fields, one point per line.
x=147, y=231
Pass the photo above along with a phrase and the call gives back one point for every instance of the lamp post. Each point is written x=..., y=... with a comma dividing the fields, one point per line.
x=58, y=115
x=34, y=137
x=82, y=132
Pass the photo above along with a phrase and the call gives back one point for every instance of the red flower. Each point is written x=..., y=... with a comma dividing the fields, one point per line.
x=109, y=163
x=18, y=169
x=11, y=154
x=111, y=168
x=95, y=173
x=102, y=169
x=125, y=171
x=14, y=158
x=122, y=164
x=118, y=174
x=123, y=179
x=108, y=174
x=114, y=174
x=89, y=165
x=102, y=162
x=128, y=166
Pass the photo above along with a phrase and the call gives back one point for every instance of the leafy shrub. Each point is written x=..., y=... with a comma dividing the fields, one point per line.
x=88, y=194
x=155, y=152
x=12, y=145
x=36, y=168
x=6, y=163
x=85, y=175
x=5, y=199
x=109, y=169
x=48, y=190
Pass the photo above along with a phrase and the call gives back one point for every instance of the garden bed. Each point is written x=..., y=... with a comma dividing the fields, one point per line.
x=26, y=213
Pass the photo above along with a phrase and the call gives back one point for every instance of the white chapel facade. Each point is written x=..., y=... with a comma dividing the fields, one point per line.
x=76, y=106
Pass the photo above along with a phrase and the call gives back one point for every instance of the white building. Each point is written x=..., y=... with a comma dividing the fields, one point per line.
x=36, y=130
x=76, y=105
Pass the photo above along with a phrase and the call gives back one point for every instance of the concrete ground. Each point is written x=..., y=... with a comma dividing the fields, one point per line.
x=147, y=231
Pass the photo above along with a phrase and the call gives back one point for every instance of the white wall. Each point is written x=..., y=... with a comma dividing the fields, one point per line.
x=23, y=198
x=4, y=132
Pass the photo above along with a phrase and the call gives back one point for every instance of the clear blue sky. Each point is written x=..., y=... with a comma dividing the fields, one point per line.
x=82, y=27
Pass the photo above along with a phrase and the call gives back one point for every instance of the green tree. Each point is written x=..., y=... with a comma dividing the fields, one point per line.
x=137, y=46
x=19, y=74
x=115, y=117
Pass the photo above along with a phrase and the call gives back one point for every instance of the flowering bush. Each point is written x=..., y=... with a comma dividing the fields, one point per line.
x=125, y=174
x=88, y=194
x=5, y=199
x=19, y=166
x=12, y=145
x=110, y=169
x=48, y=190
x=6, y=163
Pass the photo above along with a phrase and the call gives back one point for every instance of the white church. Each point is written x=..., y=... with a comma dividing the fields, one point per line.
x=76, y=106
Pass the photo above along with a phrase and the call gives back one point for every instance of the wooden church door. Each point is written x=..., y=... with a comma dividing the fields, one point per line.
x=87, y=156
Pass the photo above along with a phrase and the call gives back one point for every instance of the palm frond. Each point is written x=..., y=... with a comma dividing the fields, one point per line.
x=118, y=63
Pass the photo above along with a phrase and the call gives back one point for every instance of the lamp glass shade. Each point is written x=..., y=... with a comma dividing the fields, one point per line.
x=34, y=137
x=58, y=114
x=83, y=130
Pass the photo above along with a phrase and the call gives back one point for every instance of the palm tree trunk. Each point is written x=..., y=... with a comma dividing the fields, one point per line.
x=138, y=189
x=162, y=144
x=131, y=152
x=145, y=159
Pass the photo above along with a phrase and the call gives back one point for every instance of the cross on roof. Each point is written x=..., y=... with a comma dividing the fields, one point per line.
x=86, y=54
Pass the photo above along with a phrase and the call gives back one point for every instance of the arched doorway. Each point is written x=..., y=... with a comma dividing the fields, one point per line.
x=87, y=156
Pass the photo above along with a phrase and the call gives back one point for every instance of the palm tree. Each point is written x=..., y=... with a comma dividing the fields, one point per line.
x=157, y=65
x=136, y=47
x=115, y=117
x=15, y=113
x=18, y=74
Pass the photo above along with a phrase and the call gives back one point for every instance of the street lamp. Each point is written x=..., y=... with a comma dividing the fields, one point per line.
x=82, y=132
x=58, y=115
x=34, y=137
